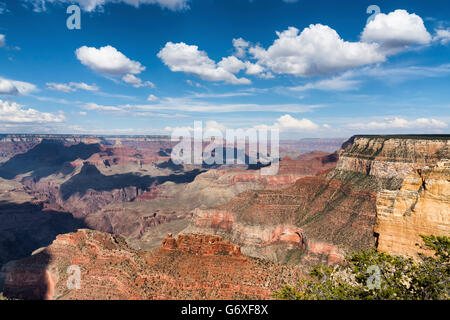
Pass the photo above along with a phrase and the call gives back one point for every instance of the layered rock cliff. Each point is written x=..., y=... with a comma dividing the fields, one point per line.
x=331, y=213
x=190, y=267
x=390, y=158
x=420, y=207
x=166, y=208
x=308, y=223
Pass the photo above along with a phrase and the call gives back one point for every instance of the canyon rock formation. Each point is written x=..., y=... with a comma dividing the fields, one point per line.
x=420, y=207
x=392, y=157
x=333, y=212
x=308, y=223
x=123, y=185
x=190, y=267
x=234, y=225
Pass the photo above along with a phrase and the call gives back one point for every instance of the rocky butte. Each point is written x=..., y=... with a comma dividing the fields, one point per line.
x=190, y=267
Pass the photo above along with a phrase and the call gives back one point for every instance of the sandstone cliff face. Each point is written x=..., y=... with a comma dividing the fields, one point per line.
x=190, y=267
x=421, y=206
x=391, y=156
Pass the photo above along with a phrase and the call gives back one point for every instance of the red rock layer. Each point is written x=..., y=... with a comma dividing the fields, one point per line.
x=201, y=245
x=191, y=267
x=327, y=214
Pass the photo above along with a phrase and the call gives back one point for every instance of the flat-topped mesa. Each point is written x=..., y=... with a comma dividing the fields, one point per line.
x=392, y=156
x=201, y=244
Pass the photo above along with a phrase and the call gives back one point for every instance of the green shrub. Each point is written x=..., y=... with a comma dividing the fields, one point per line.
x=372, y=275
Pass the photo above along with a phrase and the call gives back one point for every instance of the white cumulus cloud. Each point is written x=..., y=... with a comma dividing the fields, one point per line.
x=289, y=123
x=240, y=46
x=11, y=112
x=180, y=57
x=12, y=87
x=317, y=50
x=443, y=36
x=137, y=82
x=108, y=60
x=231, y=64
x=84, y=86
x=59, y=87
x=152, y=97
x=396, y=31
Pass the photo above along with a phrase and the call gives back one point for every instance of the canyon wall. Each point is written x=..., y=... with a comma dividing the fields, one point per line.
x=322, y=217
x=127, y=187
x=308, y=223
x=391, y=156
x=420, y=207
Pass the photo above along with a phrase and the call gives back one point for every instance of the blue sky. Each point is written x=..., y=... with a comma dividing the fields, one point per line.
x=308, y=68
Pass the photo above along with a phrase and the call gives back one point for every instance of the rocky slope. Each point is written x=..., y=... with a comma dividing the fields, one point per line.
x=191, y=267
x=308, y=223
x=421, y=206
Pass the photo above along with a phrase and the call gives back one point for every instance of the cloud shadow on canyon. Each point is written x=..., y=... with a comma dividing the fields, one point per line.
x=27, y=227
x=46, y=158
x=91, y=178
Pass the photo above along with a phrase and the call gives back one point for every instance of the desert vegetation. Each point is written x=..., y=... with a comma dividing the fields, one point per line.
x=372, y=275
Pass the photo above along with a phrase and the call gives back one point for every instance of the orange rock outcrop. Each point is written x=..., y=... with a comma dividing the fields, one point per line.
x=190, y=267
x=421, y=206
x=200, y=244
